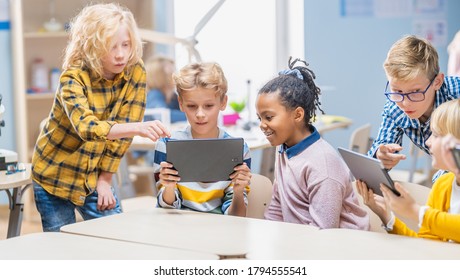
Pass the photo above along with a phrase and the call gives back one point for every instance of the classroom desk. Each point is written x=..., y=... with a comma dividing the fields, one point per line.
x=347, y=244
x=254, y=137
x=235, y=237
x=225, y=236
x=14, y=185
x=63, y=246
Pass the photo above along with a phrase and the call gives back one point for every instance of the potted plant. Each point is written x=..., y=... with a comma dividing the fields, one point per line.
x=238, y=107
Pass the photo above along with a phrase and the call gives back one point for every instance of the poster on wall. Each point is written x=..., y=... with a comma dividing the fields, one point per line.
x=356, y=8
x=393, y=8
x=4, y=15
x=430, y=7
x=434, y=30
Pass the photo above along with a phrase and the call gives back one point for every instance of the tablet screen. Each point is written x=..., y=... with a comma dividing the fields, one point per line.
x=367, y=169
x=205, y=160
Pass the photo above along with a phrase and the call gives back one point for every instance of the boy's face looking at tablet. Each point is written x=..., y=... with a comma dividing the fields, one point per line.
x=417, y=95
x=201, y=107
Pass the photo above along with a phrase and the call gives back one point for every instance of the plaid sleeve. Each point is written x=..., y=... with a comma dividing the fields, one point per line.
x=130, y=108
x=389, y=131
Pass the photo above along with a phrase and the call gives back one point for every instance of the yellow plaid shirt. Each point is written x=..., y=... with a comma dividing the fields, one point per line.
x=73, y=148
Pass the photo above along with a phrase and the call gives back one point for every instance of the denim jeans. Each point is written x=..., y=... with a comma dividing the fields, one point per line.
x=56, y=212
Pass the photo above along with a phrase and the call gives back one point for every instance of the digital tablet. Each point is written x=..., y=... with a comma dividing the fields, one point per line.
x=205, y=160
x=368, y=169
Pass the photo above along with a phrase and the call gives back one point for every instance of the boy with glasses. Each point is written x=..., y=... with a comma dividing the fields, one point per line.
x=414, y=89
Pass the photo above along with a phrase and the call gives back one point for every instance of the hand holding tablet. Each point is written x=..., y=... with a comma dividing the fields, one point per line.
x=369, y=170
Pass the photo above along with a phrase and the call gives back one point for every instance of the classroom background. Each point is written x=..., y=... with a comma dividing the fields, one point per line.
x=345, y=42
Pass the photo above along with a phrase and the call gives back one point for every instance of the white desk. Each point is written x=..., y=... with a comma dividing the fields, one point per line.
x=14, y=185
x=63, y=246
x=347, y=244
x=237, y=237
x=226, y=236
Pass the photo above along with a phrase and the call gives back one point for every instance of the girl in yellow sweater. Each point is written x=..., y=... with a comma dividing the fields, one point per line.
x=439, y=218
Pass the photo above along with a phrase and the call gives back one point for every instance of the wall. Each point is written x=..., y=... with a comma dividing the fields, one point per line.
x=347, y=54
x=6, y=84
x=6, y=79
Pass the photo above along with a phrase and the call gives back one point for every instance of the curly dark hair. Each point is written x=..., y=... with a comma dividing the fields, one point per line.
x=296, y=92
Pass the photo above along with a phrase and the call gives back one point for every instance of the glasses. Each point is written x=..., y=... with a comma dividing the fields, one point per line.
x=416, y=96
x=14, y=168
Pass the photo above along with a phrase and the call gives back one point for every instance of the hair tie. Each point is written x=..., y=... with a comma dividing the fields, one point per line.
x=292, y=72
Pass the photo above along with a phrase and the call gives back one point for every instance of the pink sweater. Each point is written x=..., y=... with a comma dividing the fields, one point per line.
x=313, y=186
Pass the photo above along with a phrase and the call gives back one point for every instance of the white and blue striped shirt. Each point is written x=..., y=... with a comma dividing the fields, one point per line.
x=215, y=197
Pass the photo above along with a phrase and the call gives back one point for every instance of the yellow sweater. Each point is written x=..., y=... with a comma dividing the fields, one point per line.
x=437, y=222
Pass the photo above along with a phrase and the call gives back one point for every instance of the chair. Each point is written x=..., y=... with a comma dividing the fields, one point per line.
x=360, y=138
x=259, y=197
x=137, y=203
x=267, y=167
x=161, y=114
x=360, y=141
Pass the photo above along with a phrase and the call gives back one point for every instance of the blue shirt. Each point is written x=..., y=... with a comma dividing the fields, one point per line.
x=396, y=123
x=302, y=145
x=156, y=99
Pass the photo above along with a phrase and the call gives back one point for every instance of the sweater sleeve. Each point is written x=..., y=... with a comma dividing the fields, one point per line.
x=273, y=211
x=401, y=228
x=130, y=110
x=442, y=224
x=326, y=203
x=437, y=223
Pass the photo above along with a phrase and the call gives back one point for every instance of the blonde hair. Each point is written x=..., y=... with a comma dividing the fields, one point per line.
x=446, y=119
x=410, y=57
x=159, y=72
x=207, y=75
x=91, y=33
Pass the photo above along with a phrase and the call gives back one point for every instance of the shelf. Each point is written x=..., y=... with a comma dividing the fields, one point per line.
x=31, y=41
x=40, y=96
x=41, y=35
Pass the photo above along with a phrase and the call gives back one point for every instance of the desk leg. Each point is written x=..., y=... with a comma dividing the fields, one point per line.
x=16, y=211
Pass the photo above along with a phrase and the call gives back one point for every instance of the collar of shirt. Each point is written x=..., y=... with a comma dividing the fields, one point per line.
x=122, y=75
x=302, y=145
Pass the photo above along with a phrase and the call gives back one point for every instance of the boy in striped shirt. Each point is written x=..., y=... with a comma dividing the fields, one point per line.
x=202, y=89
